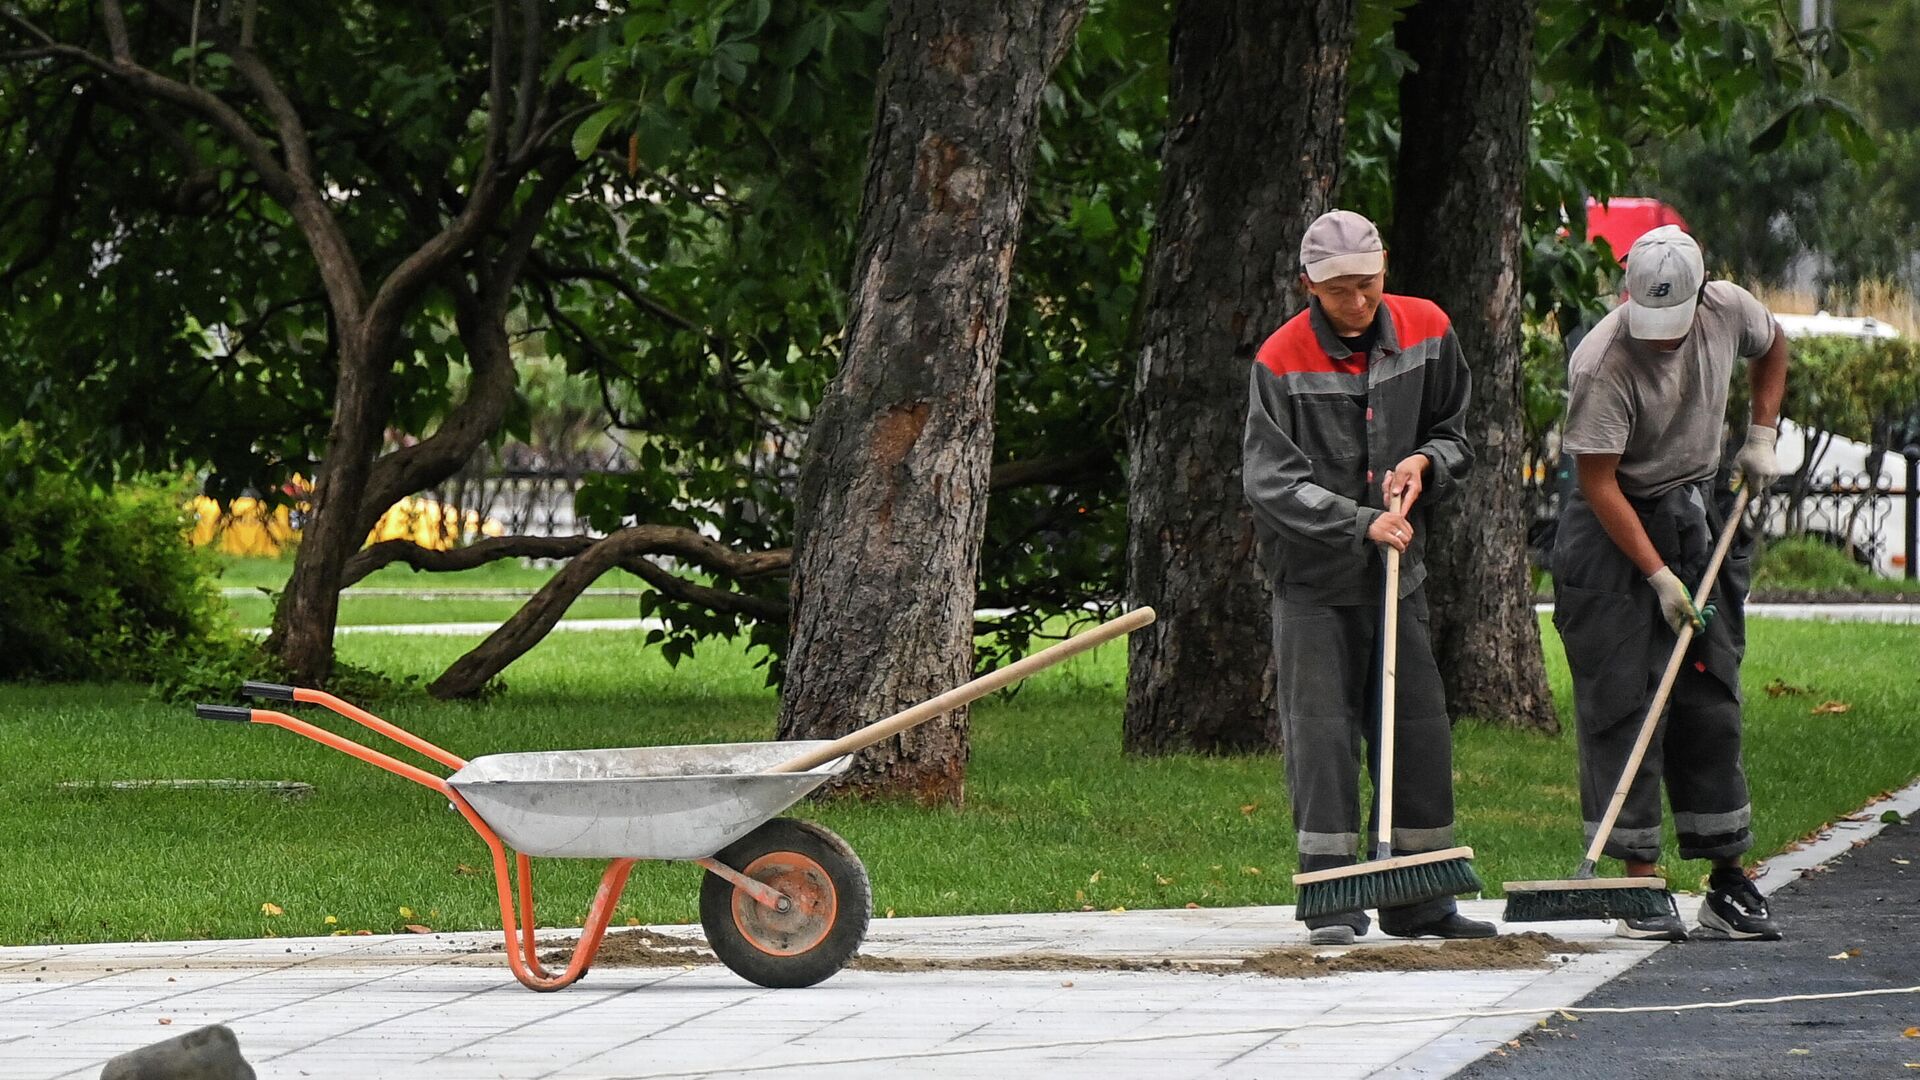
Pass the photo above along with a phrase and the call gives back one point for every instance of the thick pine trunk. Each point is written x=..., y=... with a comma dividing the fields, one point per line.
x=893, y=489
x=1456, y=241
x=1254, y=142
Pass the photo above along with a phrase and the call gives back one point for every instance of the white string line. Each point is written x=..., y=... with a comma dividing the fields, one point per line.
x=1281, y=1029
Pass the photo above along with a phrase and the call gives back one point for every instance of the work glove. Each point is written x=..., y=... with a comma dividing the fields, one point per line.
x=1757, y=464
x=1676, y=604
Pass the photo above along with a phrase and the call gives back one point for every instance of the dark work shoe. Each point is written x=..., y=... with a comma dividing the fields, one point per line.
x=1451, y=925
x=1735, y=909
x=1666, y=927
x=1337, y=934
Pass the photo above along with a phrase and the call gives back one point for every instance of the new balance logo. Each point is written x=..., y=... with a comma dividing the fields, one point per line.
x=1659, y=290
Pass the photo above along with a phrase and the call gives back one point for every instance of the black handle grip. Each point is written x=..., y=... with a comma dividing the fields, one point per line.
x=274, y=691
x=235, y=713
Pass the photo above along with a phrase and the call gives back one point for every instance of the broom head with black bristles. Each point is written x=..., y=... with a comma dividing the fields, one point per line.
x=1378, y=883
x=1587, y=898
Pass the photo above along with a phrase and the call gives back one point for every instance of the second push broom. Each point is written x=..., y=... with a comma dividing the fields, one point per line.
x=1387, y=880
x=1584, y=895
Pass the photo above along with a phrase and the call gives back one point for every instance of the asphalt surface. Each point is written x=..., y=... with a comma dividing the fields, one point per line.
x=1866, y=900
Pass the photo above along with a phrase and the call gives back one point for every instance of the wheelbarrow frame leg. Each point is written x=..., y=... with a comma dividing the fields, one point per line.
x=522, y=954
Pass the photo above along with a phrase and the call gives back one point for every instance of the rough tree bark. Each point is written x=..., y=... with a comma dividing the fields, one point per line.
x=1254, y=141
x=1456, y=241
x=893, y=486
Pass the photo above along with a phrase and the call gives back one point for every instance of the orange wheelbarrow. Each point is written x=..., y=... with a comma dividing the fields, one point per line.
x=784, y=902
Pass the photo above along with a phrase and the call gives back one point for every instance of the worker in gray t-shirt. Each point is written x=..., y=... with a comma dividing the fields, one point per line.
x=1645, y=421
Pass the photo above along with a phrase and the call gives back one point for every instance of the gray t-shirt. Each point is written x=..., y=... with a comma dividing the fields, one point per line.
x=1662, y=412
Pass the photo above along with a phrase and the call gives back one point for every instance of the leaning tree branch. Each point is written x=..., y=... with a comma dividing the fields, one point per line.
x=680, y=543
x=674, y=587
x=481, y=319
x=537, y=617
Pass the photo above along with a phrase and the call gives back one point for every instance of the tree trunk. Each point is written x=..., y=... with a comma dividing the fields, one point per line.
x=303, y=622
x=1254, y=141
x=1456, y=240
x=893, y=488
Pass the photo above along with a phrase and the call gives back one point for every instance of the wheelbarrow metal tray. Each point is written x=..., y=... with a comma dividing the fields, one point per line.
x=648, y=802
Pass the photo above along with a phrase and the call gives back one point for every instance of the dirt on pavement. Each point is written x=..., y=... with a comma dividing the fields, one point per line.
x=646, y=948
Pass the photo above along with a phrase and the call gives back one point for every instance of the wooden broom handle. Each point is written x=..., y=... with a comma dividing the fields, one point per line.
x=960, y=695
x=1389, y=675
x=1667, y=679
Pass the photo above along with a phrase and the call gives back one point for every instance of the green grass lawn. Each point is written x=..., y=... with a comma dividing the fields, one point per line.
x=1056, y=817
x=358, y=608
x=249, y=572
x=361, y=610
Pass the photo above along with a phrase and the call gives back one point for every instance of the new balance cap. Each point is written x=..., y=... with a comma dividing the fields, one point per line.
x=1664, y=275
x=1340, y=243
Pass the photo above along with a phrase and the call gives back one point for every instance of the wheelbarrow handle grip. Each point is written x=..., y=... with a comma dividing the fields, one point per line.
x=235, y=713
x=271, y=691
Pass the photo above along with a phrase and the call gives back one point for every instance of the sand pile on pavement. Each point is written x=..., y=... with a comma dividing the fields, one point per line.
x=646, y=948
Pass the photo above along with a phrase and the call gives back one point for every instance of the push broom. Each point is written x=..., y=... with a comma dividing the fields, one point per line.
x=1584, y=895
x=1387, y=880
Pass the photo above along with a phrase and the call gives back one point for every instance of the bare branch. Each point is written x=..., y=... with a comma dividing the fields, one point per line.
x=679, y=589
x=1070, y=468
x=537, y=617
x=639, y=540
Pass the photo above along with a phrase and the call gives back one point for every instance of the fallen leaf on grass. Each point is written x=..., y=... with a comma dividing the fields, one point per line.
x=1095, y=879
x=1116, y=910
x=1782, y=688
x=406, y=912
x=1161, y=879
x=271, y=909
x=1250, y=808
x=463, y=870
x=1911, y=1033
x=1191, y=906
x=1254, y=870
x=1830, y=707
x=363, y=933
x=331, y=921
x=416, y=928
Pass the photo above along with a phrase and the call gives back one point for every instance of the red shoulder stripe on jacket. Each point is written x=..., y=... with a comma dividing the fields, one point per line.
x=1415, y=319
x=1293, y=349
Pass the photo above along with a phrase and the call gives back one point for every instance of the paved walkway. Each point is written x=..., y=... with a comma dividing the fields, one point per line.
x=444, y=1006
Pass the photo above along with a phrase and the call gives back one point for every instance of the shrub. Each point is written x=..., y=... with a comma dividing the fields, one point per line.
x=97, y=584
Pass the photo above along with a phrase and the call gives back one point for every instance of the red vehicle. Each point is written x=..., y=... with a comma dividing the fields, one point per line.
x=1624, y=218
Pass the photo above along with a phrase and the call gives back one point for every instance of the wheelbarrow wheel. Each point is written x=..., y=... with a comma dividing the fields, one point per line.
x=821, y=929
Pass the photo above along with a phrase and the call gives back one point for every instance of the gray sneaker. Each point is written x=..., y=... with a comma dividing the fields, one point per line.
x=1736, y=910
x=1337, y=934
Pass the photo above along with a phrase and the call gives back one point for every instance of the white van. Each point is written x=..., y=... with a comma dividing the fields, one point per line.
x=1870, y=527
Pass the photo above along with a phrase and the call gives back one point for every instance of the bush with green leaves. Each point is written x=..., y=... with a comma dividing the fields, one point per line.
x=97, y=584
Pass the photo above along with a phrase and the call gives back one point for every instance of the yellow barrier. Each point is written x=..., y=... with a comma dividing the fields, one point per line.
x=252, y=527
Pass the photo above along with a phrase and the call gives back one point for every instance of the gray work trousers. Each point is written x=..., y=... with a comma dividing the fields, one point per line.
x=1617, y=647
x=1329, y=665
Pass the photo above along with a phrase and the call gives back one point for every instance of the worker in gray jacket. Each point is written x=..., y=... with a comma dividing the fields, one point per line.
x=1647, y=400
x=1358, y=400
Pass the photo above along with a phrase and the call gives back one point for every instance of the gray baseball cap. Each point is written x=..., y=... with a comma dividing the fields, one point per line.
x=1340, y=243
x=1664, y=275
